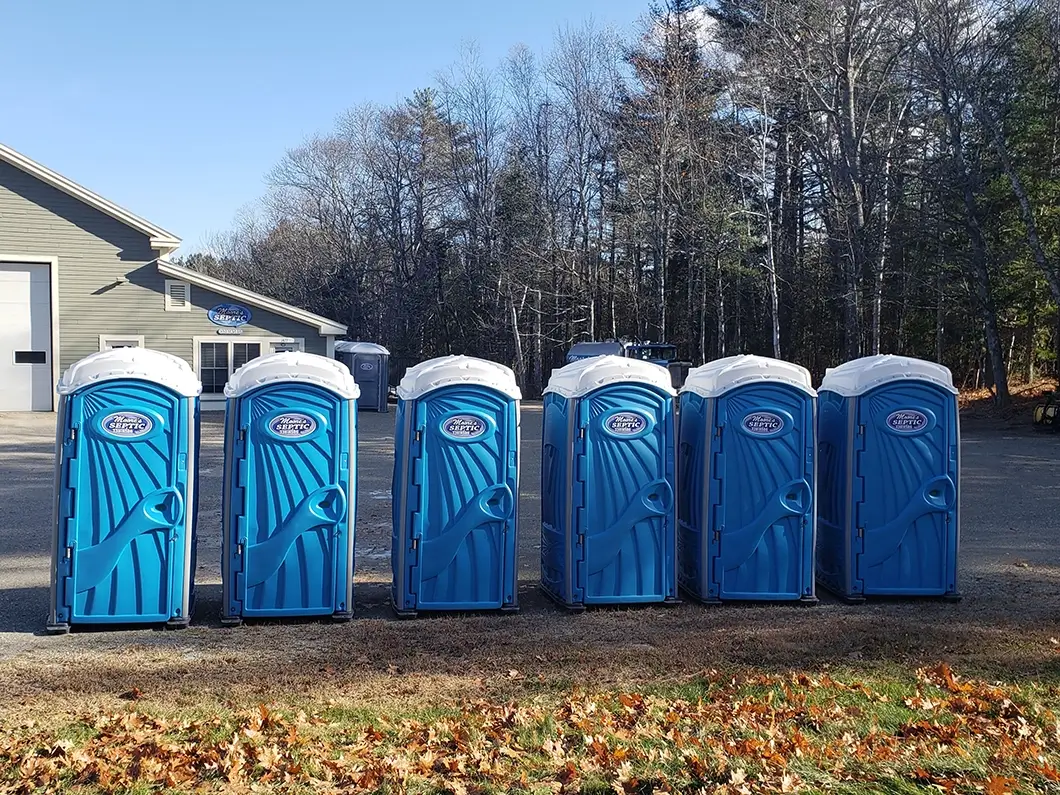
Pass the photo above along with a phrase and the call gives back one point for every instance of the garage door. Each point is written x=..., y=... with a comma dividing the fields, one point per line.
x=25, y=337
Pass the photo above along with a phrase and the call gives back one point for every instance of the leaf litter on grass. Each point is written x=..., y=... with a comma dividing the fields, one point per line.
x=743, y=734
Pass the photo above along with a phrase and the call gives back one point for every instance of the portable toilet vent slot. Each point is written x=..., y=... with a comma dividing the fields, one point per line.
x=889, y=441
x=127, y=438
x=289, y=499
x=456, y=487
x=370, y=365
x=608, y=522
x=747, y=492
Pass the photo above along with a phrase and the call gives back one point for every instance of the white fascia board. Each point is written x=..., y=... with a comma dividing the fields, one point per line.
x=324, y=326
x=161, y=240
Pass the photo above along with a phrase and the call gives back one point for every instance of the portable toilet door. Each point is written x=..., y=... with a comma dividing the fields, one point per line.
x=123, y=548
x=370, y=365
x=608, y=531
x=747, y=467
x=889, y=439
x=289, y=498
x=456, y=487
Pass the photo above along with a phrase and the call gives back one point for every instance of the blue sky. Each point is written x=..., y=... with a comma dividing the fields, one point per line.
x=176, y=110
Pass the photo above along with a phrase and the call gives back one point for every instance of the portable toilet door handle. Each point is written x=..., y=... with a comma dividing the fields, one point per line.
x=654, y=499
x=936, y=496
x=493, y=504
x=162, y=509
x=325, y=506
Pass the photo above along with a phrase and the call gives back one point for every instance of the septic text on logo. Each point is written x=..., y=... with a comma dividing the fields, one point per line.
x=763, y=423
x=463, y=426
x=126, y=423
x=292, y=425
x=230, y=315
x=906, y=420
x=625, y=423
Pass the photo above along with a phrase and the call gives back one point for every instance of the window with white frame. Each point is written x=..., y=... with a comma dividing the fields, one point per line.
x=178, y=296
x=218, y=359
x=108, y=342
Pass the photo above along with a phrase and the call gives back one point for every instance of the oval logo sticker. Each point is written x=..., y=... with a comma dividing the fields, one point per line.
x=907, y=420
x=127, y=424
x=366, y=366
x=626, y=423
x=463, y=426
x=763, y=423
x=292, y=425
x=229, y=315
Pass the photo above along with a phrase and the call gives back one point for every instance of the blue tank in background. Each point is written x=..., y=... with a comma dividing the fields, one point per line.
x=889, y=440
x=747, y=481
x=608, y=523
x=456, y=487
x=127, y=440
x=290, y=486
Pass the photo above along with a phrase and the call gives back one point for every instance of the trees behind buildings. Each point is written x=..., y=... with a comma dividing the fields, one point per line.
x=815, y=180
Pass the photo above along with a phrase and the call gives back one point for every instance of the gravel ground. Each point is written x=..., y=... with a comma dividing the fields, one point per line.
x=1007, y=622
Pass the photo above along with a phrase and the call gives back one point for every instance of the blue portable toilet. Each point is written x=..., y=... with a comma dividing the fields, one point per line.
x=127, y=440
x=889, y=446
x=456, y=487
x=290, y=487
x=608, y=522
x=746, y=504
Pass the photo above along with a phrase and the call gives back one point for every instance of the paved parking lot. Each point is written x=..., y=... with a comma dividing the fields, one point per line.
x=1010, y=576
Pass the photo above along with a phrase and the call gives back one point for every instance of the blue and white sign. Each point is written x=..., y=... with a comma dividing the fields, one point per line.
x=229, y=315
x=464, y=426
x=763, y=423
x=127, y=424
x=366, y=366
x=626, y=423
x=292, y=425
x=907, y=421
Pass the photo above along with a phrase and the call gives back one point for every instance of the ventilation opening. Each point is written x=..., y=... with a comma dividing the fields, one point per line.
x=178, y=296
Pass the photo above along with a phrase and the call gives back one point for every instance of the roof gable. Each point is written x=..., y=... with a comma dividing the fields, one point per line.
x=161, y=240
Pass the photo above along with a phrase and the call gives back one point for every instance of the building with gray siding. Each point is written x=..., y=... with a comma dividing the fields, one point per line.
x=79, y=274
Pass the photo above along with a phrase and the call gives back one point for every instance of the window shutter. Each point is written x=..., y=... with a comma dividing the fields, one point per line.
x=178, y=296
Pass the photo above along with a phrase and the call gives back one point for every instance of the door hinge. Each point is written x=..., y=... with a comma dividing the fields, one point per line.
x=861, y=430
x=243, y=433
x=73, y=434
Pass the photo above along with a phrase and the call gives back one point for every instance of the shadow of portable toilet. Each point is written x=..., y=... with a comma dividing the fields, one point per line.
x=289, y=494
x=127, y=439
x=608, y=522
x=456, y=487
x=370, y=365
x=746, y=498
x=888, y=438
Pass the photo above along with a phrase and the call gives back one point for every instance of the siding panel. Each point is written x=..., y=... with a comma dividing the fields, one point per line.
x=94, y=250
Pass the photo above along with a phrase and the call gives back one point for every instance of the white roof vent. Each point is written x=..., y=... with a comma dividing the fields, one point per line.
x=142, y=364
x=581, y=377
x=861, y=375
x=293, y=366
x=457, y=371
x=718, y=377
x=360, y=347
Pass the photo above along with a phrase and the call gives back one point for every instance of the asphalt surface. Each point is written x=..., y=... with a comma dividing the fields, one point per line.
x=1010, y=544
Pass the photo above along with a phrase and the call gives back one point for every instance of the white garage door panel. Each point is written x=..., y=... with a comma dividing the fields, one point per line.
x=25, y=337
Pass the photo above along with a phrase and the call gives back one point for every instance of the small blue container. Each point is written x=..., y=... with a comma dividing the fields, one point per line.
x=747, y=495
x=889, y=443
x=456, y=487
x=123, y=549
x=608, y=523
x=290, y=488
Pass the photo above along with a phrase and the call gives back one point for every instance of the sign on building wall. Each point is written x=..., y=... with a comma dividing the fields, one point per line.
x=229, y=315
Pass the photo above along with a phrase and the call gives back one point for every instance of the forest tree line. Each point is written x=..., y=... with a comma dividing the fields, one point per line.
x=808, y=179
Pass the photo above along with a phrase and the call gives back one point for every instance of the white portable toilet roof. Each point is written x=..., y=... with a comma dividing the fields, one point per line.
x=293, y=366
x=143, y=364
x=718, y=377
x=360, y=347
x=583, y=376
x=455, y=371
x=858, y=376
